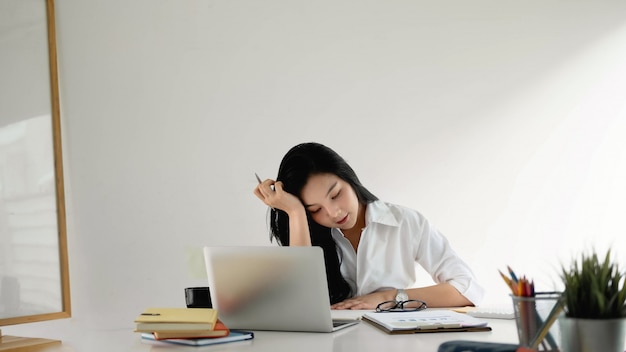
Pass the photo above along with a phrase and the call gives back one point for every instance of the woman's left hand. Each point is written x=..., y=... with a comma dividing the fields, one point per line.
x=366, y=302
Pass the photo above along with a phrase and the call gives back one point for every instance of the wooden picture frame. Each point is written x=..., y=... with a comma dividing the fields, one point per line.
x=32, y=194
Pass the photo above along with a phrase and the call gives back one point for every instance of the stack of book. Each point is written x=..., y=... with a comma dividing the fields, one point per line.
x=186, y=326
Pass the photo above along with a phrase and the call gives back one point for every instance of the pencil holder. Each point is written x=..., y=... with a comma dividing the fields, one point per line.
x=534, y=317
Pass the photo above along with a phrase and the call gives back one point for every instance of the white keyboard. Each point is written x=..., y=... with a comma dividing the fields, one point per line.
x=491, y=312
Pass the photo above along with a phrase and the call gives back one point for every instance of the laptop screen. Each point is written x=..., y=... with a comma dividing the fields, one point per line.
x=269, y=288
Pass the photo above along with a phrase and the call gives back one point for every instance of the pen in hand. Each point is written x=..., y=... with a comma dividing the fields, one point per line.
x=259, y=180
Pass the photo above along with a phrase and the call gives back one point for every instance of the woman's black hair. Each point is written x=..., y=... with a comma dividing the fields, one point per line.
x=297, y=166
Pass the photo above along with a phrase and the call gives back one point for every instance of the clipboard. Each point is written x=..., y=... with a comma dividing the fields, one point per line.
x=427, y=321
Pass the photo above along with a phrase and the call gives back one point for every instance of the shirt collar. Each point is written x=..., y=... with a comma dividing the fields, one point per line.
x=379, y=212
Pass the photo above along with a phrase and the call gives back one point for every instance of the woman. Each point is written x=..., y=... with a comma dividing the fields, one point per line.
x=370, y=247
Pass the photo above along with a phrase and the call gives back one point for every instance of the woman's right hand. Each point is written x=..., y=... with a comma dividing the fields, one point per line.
x=273, y=195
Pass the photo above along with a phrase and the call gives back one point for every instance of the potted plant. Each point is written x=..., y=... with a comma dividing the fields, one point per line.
x=594, y=301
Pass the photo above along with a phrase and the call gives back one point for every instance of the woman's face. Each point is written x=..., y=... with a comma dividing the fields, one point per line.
x=331, y=201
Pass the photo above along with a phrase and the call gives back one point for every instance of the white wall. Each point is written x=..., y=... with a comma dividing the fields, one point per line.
x=502, y=122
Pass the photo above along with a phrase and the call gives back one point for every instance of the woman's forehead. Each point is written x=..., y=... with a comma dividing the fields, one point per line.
x=318, y=186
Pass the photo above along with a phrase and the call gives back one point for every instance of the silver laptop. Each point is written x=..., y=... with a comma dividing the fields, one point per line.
x=271, y=288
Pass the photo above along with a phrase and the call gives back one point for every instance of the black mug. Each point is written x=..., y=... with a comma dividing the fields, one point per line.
x=198, y=297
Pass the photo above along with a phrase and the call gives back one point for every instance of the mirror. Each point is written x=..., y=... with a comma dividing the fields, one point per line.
x=34, y=281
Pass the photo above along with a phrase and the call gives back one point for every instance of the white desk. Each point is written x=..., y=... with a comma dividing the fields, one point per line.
x=362, y=337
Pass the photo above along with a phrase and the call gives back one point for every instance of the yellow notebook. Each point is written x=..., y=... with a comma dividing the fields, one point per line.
x=176, y=319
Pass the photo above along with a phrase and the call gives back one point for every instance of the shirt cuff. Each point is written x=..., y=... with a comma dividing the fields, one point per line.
x=471, y=290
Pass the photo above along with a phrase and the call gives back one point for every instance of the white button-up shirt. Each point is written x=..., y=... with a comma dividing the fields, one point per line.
x=394, y=239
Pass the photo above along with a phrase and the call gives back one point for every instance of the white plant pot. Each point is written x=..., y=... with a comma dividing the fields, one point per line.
x=592, y=335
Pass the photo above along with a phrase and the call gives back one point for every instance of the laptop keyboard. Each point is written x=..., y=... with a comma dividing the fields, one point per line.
x=342, y=322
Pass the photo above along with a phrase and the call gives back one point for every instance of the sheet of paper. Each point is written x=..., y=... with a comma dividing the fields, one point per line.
x=195, y=262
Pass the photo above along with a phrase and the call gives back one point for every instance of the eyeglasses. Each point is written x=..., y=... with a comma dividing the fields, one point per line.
x=412, y=305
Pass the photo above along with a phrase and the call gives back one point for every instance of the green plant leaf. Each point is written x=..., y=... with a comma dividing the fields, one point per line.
x=594, y=289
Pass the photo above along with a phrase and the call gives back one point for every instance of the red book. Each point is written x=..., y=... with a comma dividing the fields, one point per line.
x=220, y=330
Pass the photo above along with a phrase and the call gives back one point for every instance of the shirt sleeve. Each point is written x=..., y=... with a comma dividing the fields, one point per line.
x=435, y=254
